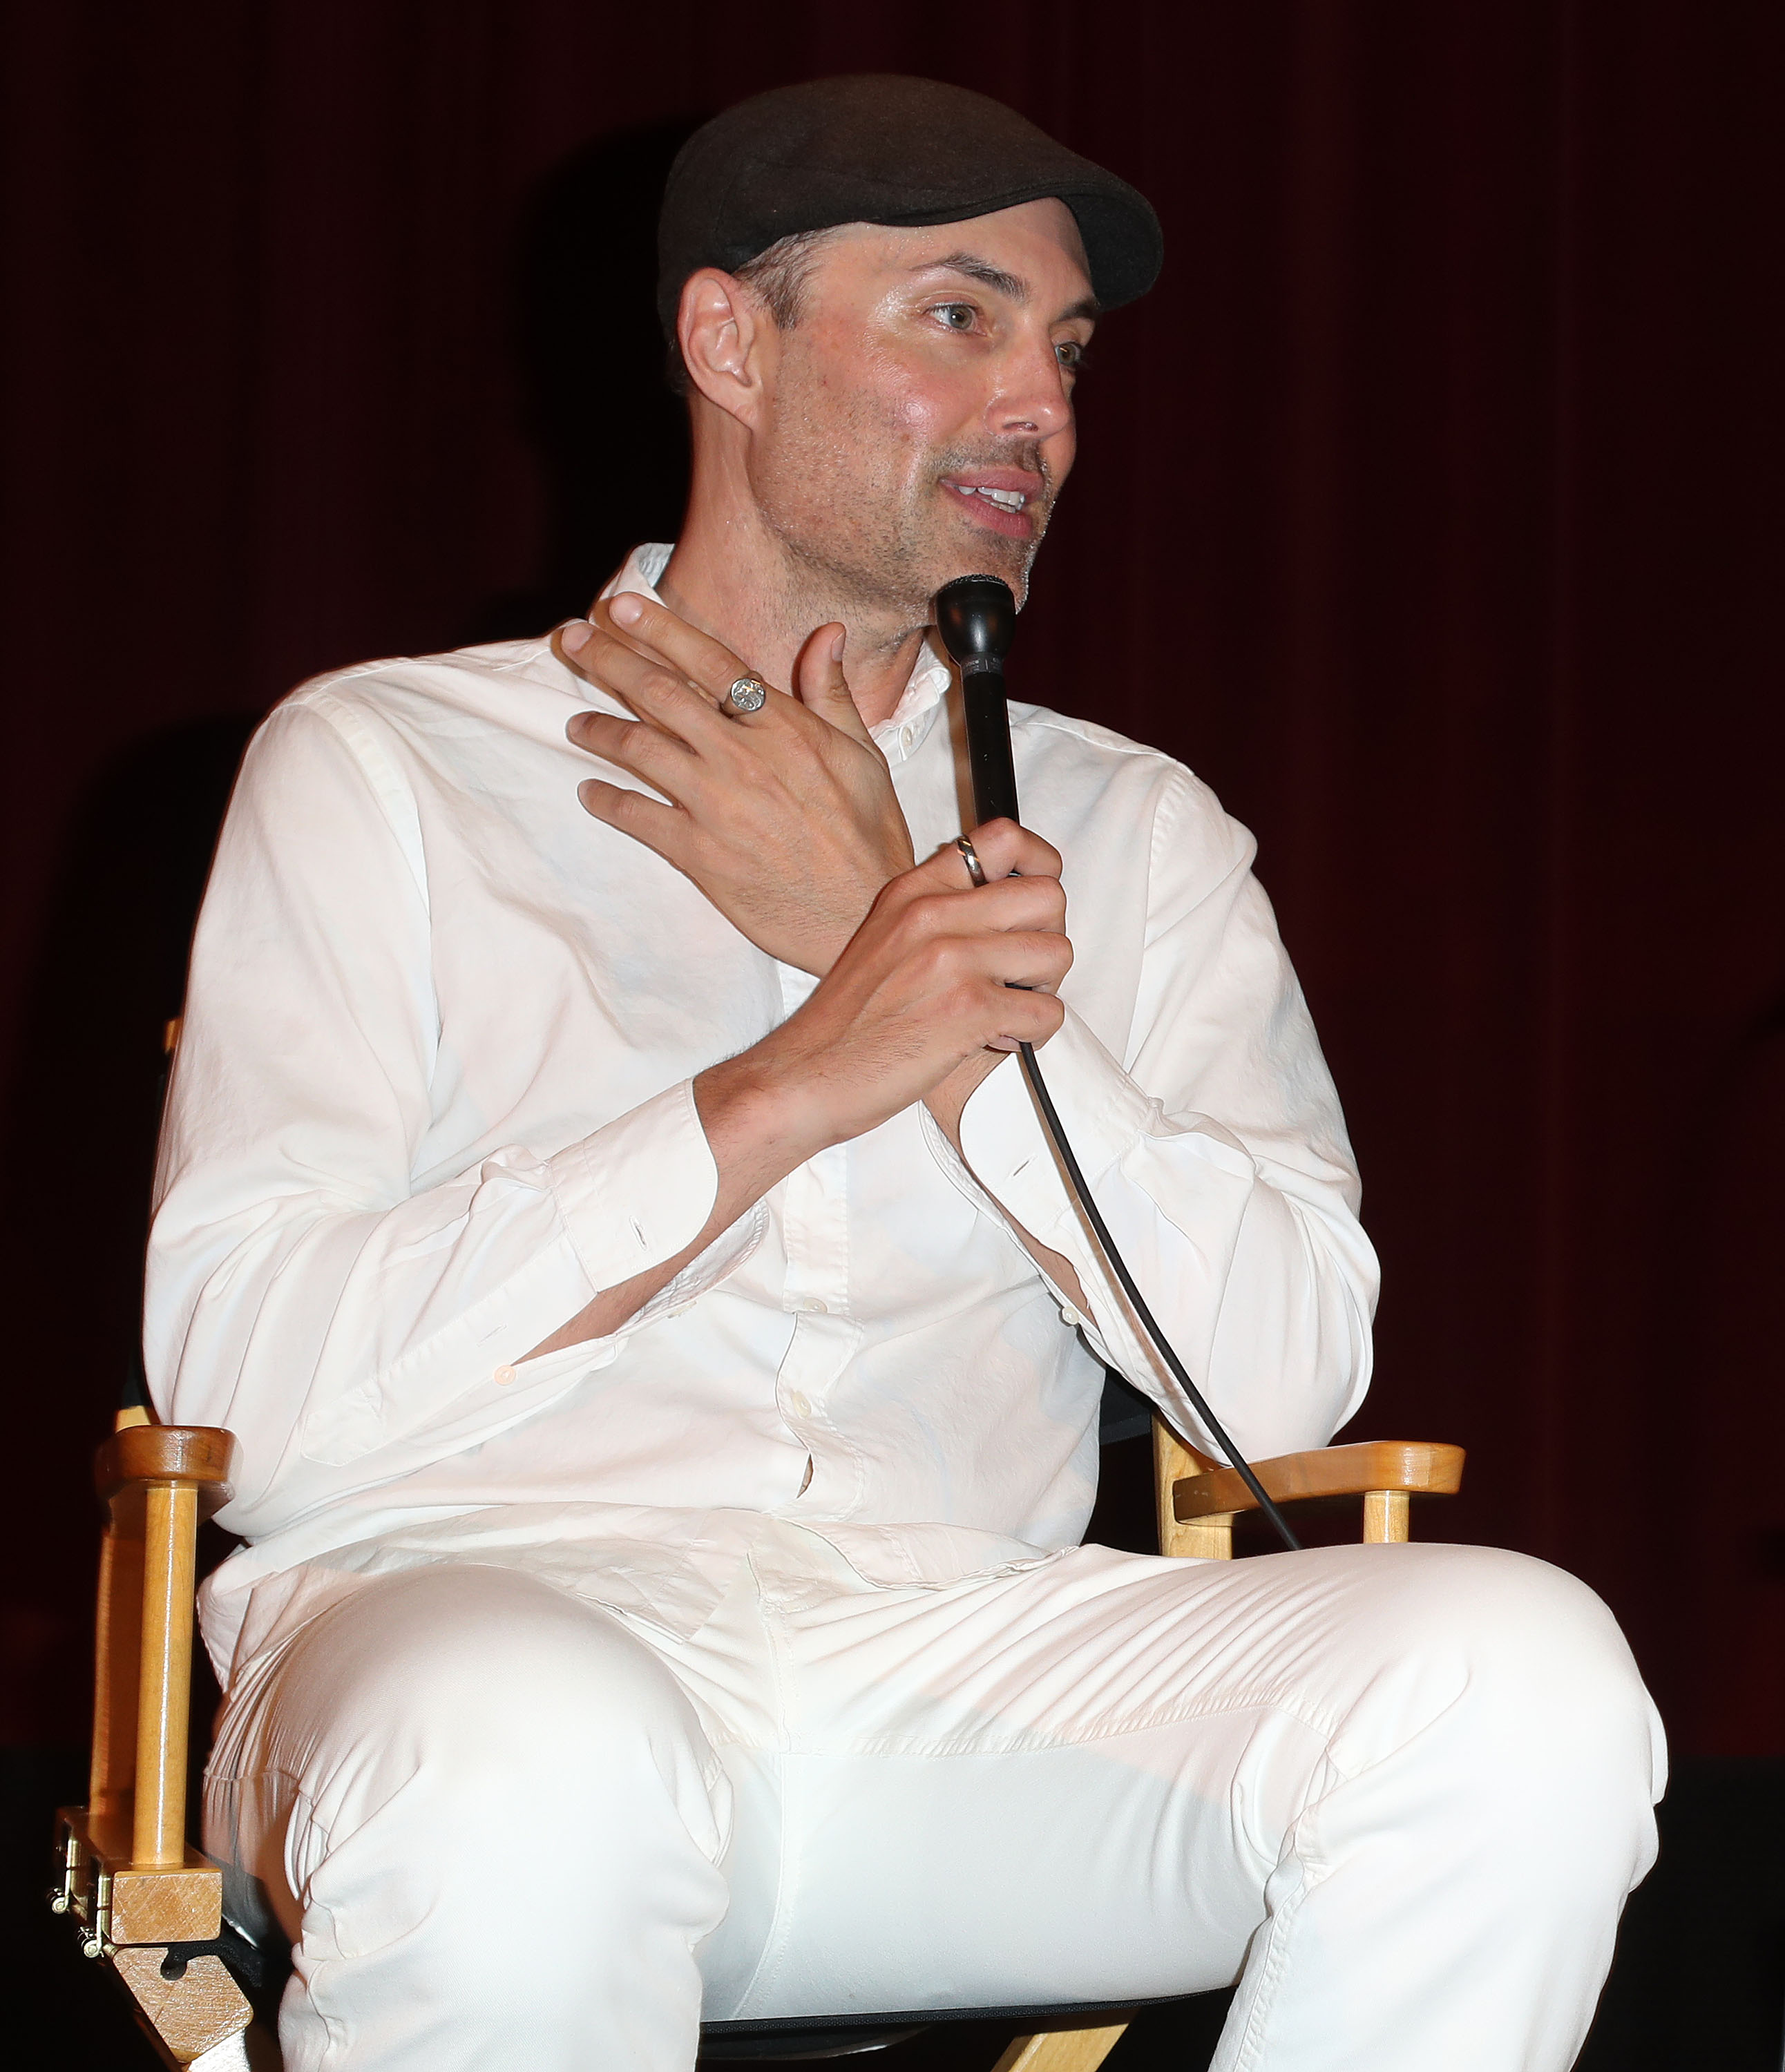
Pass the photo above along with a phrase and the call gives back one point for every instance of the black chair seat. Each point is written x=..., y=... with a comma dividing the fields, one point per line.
x=785, y=2043
x=796, y=2037
x=261, y=1964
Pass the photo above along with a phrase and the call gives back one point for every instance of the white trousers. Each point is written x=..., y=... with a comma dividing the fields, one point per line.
x=1399, y=1793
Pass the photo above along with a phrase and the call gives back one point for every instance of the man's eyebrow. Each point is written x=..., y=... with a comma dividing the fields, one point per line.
x=979, y=269
x=1003, y=283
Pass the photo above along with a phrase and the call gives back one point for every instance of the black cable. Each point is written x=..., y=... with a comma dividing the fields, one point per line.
x=1031, y=1071
x=976, y=616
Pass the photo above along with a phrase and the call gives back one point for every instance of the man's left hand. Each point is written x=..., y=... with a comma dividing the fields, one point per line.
x=785, y=818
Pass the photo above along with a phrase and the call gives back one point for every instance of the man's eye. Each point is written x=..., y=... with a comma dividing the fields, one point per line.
x=957, y=316
x=1069, y=353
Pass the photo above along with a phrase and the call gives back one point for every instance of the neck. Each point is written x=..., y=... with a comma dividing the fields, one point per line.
x=734, y=577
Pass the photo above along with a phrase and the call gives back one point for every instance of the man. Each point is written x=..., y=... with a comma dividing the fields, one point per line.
x=597, y=1194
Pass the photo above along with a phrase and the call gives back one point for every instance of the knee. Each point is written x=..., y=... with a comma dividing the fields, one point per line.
x=499, y=1695
x=483, y=1767
x=1528, y=1663
x=1540, y=1636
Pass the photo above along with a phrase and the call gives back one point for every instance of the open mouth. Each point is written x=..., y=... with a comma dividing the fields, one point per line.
x=1002, y=507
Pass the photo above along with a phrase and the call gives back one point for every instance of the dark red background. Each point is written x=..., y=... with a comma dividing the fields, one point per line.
x=1430, y=508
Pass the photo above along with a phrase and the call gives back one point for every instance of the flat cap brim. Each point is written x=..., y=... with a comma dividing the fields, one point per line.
x=883, y=148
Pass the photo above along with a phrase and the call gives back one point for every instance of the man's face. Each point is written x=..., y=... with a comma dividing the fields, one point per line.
x=918, y=420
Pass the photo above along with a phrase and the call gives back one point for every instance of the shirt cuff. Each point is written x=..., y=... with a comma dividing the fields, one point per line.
x=528, y=1385
x=956, y=1171
x=704, y=1271
x=638, y=1190
x=1108, y=1118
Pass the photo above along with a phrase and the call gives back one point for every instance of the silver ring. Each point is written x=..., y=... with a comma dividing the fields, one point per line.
x=969, y=855
x=748, y=694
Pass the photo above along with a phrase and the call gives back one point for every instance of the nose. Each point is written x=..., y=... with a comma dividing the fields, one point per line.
x=1032, y=399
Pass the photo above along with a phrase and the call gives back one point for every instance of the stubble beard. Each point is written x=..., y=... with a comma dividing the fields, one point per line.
x=869, y=539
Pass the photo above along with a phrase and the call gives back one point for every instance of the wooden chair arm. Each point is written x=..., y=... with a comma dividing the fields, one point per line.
x=202, y=1455
x=1421, y=1466
x=131, y=1884
x=157, y=1481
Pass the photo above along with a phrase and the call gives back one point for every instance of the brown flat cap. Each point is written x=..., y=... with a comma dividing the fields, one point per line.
x=878, y=147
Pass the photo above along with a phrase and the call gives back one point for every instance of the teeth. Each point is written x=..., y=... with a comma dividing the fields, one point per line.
x=1006, y=499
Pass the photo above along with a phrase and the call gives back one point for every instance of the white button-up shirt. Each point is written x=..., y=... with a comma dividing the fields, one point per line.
x=434, y=1092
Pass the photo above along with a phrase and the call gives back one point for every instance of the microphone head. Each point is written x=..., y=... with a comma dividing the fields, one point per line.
x=977, y=617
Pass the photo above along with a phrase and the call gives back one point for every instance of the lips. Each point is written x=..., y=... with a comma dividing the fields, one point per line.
x=998, y=497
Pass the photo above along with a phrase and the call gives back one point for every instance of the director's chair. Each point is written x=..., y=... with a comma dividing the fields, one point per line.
x=148, y=1906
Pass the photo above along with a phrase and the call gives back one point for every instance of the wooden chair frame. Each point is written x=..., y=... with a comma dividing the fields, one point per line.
x=150, y=1906
x=139, y=1895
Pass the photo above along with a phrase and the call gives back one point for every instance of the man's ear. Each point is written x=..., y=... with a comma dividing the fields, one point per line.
x=725, y=338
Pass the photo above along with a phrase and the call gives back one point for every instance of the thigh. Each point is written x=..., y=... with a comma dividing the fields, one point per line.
x=456, y=1704
x=1077, y=1781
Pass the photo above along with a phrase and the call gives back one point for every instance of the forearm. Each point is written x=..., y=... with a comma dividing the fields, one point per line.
x=754, y=1149
x=754, y=1143
x=779, y=1104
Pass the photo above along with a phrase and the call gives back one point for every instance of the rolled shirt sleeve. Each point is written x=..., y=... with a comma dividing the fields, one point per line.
x=1215, y=1150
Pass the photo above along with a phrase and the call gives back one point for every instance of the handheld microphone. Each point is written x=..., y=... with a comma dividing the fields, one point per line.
x=977, y=618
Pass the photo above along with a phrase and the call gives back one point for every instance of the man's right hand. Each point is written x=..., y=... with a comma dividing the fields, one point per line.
x=938, y=971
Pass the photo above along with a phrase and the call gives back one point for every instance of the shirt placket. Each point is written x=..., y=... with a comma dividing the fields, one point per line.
x=815, y=1231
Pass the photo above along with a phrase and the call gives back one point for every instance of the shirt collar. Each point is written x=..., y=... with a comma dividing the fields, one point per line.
x=912, y=717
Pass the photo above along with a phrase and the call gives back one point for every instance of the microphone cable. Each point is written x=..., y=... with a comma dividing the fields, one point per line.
x=976, y=616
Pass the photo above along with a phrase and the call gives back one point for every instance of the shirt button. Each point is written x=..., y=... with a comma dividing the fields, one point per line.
x=812, y=1306
x=502, y=1376
x=799, y=1404
x=1069, y=1316
x=907, y=736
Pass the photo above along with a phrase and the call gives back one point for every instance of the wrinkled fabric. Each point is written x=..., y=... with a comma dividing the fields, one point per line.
x=434, y=1092
x=1399, y=1793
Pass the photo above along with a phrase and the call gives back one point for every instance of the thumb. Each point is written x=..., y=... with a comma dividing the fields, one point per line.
x=821, y=687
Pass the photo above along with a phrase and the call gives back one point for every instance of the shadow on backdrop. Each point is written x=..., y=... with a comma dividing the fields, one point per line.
x=79, y=1134
x=610, y=436
x=79, y=1119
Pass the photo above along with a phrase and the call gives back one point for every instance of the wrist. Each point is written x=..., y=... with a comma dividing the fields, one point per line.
x=757, y=1126
x=947, y=1098
x=846, y=920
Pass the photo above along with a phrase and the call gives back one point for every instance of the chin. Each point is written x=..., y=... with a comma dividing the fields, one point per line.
x=990, y=555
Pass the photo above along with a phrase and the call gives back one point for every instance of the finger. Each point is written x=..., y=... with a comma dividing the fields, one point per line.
x=659, y=827
x=618, y=661
x=822, y=687
x=1001, y=847
x=656, y=696
x=649, y=688
x=1035, y=961
x=663, y=761
x=707, y=665
x=1024, y=1016
x=1012, y=904
x=1007, y=904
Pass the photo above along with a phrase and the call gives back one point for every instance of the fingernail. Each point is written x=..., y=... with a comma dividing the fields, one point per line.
x=577, y=635
x=839, y=641
x=627, y=610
